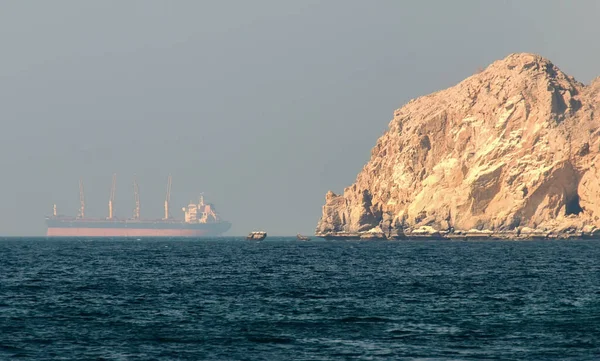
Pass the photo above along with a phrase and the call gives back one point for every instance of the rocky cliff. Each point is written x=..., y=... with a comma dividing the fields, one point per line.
x=512, y=148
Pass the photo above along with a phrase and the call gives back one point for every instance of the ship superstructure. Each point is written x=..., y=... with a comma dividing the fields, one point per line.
x=200, y=220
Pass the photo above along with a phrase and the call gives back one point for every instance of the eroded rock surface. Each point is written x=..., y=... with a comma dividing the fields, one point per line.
x=511, y=148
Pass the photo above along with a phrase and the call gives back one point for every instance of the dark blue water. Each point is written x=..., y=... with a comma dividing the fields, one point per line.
x=289, y=300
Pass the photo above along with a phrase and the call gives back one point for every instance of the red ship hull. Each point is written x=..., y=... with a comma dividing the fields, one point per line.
x=124, y=232
x=70, y=227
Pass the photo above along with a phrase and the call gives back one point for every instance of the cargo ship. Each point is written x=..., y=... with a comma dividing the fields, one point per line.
x=200, y=220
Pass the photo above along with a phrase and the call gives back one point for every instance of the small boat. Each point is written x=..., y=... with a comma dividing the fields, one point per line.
x=302, y=238
x=256, y=236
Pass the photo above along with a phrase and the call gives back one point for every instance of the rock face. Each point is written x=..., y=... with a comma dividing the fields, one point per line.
x=511, y=149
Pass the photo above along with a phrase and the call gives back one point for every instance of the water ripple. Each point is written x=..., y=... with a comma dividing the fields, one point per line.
x=229, y=299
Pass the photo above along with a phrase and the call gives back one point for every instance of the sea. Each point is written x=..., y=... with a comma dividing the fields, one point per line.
x=283, y=299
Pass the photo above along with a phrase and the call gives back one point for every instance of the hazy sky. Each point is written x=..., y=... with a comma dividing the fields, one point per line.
x=261, y=105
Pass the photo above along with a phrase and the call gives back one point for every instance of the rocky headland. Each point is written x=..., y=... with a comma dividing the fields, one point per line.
x=509, y=152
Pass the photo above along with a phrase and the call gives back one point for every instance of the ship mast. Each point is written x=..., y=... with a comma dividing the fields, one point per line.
x=81, y=200
x=136, y=195
x=111, y=200
x=168, y=198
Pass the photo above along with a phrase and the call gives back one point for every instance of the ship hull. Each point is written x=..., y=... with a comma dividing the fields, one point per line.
x=80, y=228
x=120, y=232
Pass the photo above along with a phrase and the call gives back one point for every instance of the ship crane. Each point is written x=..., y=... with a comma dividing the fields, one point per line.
x=136, y=195
x=111, y=200
x=168, y=198
x=81, y=200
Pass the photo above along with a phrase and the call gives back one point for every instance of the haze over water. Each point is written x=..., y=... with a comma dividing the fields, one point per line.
x=280, y=299
x=263, y=105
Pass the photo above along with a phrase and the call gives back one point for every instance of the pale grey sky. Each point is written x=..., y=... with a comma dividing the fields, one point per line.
x=262, y=105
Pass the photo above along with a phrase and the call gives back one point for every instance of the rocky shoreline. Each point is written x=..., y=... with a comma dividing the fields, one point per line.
x=462, y=235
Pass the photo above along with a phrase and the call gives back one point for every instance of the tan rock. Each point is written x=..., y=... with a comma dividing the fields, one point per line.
x=513, y=146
